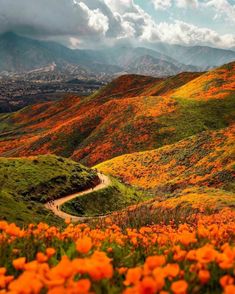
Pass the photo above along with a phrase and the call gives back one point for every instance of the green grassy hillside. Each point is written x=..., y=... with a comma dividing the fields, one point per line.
x=115, y=197
x=27, y=183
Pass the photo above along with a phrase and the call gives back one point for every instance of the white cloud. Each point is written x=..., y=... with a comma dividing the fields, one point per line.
x=96, y=20
x=222, y=8
x=180, y=32
x=89, y=22
x=162, y=4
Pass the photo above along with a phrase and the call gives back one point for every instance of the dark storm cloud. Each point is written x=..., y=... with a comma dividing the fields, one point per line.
x=53, y=17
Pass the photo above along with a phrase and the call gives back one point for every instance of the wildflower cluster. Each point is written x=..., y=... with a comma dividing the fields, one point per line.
x=184, y=258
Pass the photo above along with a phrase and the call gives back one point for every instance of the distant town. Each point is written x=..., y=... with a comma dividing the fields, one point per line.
x=17, y=92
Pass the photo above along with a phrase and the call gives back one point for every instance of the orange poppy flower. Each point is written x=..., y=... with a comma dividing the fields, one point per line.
x=133, y=276
x=41, y=257
x=187, y=238
x=159, y=277
x=67, y=221
x=122, y=270
x=206, y=254
x=84, y=245
x=50, y=252
x=83, y=286
x=2, y=271
x=179, y=287
x=19, y=263
x=155, y=261
x=172, y=270
x=204, y=276
x=230, y=289
x=226, y=280
x=148, y=286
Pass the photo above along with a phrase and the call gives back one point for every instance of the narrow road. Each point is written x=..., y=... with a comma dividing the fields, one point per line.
x=55, y=205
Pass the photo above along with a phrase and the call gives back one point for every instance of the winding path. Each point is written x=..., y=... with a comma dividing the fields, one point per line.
x=55, y=205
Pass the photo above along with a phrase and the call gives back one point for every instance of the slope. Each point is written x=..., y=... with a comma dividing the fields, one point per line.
x=207, y=159
x=215, y=84
x=196, y=175
x=202, y=56
x=27, y=183
x=99, y=127
x=148, y=65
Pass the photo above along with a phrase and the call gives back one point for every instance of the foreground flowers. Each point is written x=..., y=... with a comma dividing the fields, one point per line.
x=170, y=258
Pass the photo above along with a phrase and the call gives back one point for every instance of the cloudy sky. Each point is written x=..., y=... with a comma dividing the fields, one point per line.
x=92, y=23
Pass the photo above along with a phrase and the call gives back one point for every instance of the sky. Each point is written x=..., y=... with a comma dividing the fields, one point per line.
x=99, y=23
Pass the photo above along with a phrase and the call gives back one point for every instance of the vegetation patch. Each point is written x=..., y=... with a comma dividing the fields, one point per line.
x=27, y=182
x=113, y=198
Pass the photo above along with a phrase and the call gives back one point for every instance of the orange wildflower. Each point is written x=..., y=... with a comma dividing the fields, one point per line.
x=84, y=245
x=27, y=280
x=99, y=266
x=155, y=261
x=172, y=270
x=148, y=286
x=67, y=221
x=187, y=238
x=159, y=277
x=41, y=257
x=230, y=289
x=206, y=254
x=50, y=252
x=83, y=286
x=122, y=270
x=2, y=271
x=226, y=280
x=204, y=276
x=179, y=287
x=133, y=276
x=19, y=263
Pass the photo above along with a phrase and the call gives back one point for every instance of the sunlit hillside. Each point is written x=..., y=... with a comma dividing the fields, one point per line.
x=216, y=84
x=94, y=129
x=207, y=159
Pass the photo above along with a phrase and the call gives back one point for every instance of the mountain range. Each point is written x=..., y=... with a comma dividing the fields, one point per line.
x=19, y=54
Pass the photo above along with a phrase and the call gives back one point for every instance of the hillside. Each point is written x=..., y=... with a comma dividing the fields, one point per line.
x=211, y=85
x=169, y=85
x=148, y=65
x=126, y=86
x=206, y=159
x=195, y=175
x=27, y=183
x=202, y=56
x=100, y=127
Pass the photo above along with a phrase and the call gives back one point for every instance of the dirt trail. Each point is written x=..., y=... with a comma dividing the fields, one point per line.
x=55, y=205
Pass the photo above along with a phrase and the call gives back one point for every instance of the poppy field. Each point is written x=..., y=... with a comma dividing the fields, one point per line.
x=170, y=257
